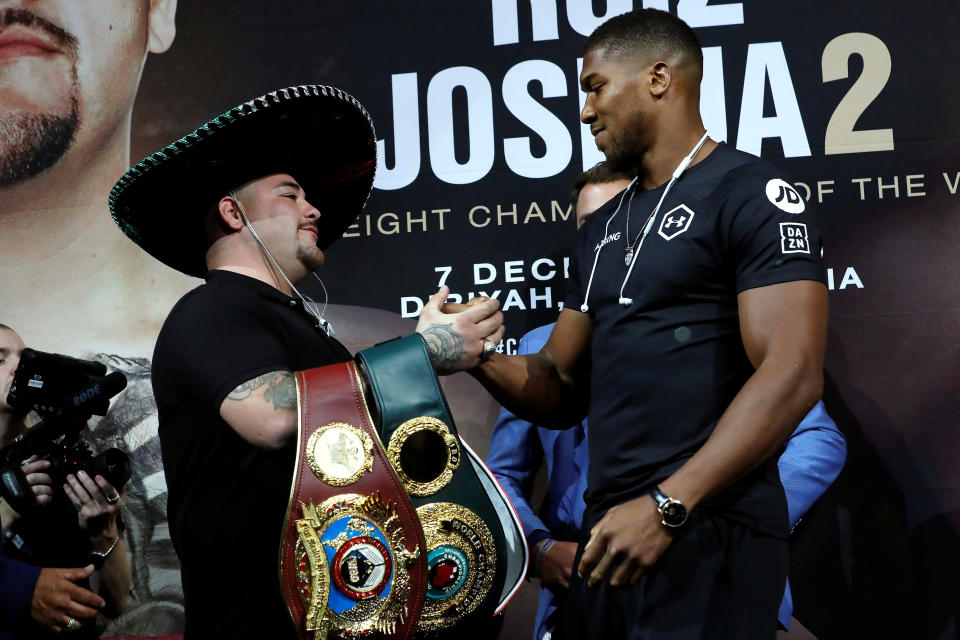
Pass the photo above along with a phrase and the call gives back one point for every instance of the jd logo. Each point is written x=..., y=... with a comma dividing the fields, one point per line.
x=675, y=222
x=793, y=238
x=784, y=197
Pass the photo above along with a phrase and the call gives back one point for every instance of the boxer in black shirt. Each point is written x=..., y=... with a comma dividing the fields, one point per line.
x=693, y=332
x=249, y=201
x=720, y=235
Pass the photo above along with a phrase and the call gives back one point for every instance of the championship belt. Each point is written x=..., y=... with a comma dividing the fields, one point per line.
x=352, y=559
x=475, y=550
x=394, y=524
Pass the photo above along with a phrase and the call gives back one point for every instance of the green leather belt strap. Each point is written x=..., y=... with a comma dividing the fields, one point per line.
x=418, y=431
x=403, y=383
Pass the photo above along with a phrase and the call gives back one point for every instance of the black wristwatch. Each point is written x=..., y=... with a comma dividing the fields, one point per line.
x=672, y=512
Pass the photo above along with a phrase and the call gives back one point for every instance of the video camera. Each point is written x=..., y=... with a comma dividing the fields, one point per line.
x=65, y=392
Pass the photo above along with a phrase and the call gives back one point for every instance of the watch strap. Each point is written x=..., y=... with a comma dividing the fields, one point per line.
x=659, y=497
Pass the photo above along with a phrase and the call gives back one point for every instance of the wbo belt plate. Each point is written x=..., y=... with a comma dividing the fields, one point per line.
x=339, y=453
x=353, y=566
x=461, y=561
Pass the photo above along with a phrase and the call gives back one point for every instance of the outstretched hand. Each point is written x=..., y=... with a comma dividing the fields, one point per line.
x=457, y=307
x=455, y=338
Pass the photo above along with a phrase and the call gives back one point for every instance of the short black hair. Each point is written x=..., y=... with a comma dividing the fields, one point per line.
x=647, y=31
x=599, y=173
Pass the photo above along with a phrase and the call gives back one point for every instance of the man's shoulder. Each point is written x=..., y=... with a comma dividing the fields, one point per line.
x=199, y=312
x=745, y=176
x=193, y=304
x=211, y=300
x=745, y=189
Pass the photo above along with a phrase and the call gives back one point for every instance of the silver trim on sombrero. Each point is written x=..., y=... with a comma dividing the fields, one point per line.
x=251, y=106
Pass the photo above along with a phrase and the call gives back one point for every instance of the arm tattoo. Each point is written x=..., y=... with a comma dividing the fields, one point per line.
x=279, y=389
x=444, y=345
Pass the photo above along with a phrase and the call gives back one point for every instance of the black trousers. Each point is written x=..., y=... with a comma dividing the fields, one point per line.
x=718, y=579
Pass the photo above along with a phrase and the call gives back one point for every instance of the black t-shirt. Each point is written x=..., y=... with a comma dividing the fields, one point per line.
x=665, y=368
x=227, y=499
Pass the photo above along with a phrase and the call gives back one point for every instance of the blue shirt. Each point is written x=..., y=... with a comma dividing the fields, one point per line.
x=17, y=582
x=811, y=461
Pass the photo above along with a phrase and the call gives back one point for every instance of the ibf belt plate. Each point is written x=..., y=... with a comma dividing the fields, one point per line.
x=353, y=565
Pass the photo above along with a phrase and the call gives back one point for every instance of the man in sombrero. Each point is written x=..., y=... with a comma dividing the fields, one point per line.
x=249, y=201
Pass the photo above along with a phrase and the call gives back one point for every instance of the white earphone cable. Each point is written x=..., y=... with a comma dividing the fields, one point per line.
x=647, y=227
x=308, y=303
x=585, y=307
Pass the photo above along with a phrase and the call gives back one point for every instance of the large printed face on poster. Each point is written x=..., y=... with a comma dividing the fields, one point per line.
x=476, y=106
x=69, y=78
x=69, y=73
x=71, y=283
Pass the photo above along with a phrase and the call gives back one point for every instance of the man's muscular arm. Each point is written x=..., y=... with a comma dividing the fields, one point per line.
x=784, y=331
x=783, y=327
x=263, y=410
x=550, y=388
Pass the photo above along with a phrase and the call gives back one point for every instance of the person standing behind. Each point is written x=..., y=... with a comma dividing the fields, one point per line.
x=517, y=449
x=813, y=458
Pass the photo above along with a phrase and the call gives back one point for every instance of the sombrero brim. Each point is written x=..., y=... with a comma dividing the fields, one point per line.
x=319, y=135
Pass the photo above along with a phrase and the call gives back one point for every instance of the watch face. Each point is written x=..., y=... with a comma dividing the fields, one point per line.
x=674, y=513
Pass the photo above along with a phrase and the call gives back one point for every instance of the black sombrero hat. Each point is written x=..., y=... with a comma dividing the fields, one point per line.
x=319, y=135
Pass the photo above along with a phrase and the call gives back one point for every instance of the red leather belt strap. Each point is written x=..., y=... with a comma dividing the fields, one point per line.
x=353, y=556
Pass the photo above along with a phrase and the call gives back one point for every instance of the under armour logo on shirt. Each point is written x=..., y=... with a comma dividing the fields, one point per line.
x=675, y=222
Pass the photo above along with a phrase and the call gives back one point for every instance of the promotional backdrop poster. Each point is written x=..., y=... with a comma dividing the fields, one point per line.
x=476, y=107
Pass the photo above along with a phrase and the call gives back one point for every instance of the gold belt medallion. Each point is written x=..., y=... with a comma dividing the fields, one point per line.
x=353, y=566
x=461, y=560
x=339, y=453
x=424, y=454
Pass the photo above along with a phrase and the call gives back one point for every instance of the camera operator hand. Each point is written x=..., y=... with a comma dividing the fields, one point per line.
x=40, y=482
x=57, y=600
x=97, y=502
